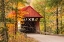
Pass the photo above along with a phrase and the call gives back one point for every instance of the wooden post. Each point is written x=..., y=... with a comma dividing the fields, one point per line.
x=37, y=26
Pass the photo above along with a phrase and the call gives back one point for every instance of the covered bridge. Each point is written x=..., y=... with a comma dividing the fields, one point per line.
x=31, y=20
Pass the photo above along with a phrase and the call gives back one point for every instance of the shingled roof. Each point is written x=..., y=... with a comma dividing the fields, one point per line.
x=31, y=12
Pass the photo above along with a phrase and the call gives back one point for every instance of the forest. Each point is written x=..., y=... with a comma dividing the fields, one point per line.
x=51, y=23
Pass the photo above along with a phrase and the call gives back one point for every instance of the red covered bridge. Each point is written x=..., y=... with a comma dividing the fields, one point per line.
x=31, y=23
x=31, y=20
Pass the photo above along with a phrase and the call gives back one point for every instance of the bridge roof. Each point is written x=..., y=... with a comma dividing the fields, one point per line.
x=31, y=12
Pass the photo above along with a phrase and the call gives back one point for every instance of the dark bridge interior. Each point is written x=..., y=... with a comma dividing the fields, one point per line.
x=28, y=27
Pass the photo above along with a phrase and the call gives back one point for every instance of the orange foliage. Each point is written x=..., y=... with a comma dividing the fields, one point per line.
x=11, y=28
x=20, y=15
x=20, y=5
x=11, y=15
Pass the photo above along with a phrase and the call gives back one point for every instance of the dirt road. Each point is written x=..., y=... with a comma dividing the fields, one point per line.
x=46, y=38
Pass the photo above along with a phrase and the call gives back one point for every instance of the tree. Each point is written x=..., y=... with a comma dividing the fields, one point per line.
x=4, y=9
x=55, y=3
x=3, y=18
x=15, y=8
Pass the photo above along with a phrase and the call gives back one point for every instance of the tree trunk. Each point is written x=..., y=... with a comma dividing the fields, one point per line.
x=44, y=22
x=16, y=11
x=57, y=20
x=4, y=21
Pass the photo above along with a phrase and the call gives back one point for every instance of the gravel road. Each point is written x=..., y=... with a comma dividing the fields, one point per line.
x=46, y=38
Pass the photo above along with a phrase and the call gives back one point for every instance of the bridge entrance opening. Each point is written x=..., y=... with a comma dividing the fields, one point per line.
x=29, y=27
